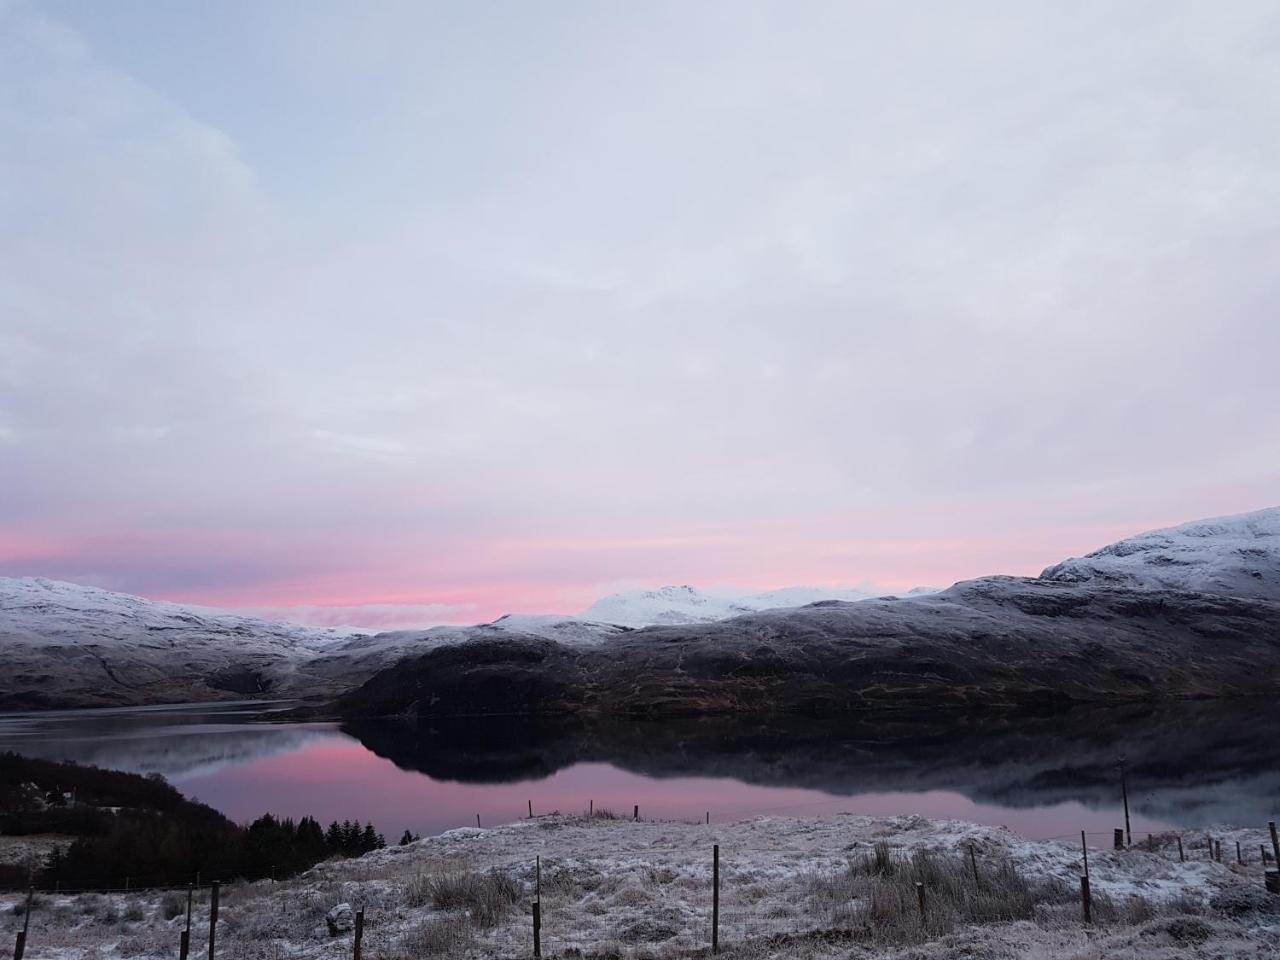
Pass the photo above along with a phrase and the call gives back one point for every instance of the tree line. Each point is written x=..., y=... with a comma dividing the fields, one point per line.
x=140, y=831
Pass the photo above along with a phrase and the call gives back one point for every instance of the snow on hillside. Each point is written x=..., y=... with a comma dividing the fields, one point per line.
x=35, y=610
x=1236, y=556
x=71, y=645
x=568, y=630
x=674, y=605
x=361, y=654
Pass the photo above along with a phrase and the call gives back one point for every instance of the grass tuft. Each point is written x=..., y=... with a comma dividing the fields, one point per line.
x=878, y=897
x=486, y=897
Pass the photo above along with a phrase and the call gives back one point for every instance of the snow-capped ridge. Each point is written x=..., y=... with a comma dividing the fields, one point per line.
x=683, y=604
x=1236, y=556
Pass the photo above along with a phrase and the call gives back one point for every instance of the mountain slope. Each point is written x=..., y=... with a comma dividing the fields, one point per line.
x=353, y=660
x=1236, y=556
x=997, y=642
x=66, y=645
x=69, y=645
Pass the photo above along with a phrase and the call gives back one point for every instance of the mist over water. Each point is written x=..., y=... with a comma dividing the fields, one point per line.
x=1041, y=776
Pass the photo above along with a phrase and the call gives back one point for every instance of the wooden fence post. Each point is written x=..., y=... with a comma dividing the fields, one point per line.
x=1182, y=857
x=359, y=934
x=920, y=898
x=477, y=820
x=1086, y=900
x=591, y=808
x=1275, y=841
x=530, y=809
x=1124, y=793
x=537, y=907
x=213, y=917
x=1084, y=853
x=20, y=944
x=184, y=939
x=1239, y=855
x=635, y=814
x=1118, y=839
x=715, y=898
x=184, y=944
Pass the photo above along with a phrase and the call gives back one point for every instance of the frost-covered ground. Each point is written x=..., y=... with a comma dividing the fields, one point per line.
x=618, y=888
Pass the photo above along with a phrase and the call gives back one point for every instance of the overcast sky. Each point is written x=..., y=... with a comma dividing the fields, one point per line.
x=418, y=311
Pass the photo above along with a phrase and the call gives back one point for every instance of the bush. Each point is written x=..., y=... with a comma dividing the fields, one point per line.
x=418, y=891
x=38, y=904
x=172, y=905
x=437, y=937
x=1188, y=930
x=487, y=897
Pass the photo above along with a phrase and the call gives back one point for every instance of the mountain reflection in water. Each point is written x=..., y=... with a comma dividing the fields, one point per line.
x=1189, y=764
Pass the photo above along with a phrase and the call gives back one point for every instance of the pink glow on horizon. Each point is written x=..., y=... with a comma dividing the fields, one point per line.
x=383, y=585
x=891, y=564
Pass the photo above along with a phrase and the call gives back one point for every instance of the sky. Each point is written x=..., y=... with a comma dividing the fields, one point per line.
x=400, y=312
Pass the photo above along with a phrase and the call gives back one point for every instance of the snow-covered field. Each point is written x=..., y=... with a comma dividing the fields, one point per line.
x=618, y=888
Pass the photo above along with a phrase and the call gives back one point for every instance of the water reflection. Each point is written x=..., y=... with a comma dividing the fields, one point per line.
x=1190, y=764
x=175, y=741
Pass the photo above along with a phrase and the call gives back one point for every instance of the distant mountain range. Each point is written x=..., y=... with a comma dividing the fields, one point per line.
x=72, y=645
x=1189, y=611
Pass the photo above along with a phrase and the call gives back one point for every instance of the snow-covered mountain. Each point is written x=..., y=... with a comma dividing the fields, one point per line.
x=63, y=644
x=74, y=644
x=67, y=645
x=361, y=656
x=1237, y=556
x=676, y=605
x=35, y=609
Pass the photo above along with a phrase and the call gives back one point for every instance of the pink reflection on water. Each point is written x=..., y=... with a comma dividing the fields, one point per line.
x=338, y=779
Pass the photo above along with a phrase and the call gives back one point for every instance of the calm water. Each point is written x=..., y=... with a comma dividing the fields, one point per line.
x=1041, y=776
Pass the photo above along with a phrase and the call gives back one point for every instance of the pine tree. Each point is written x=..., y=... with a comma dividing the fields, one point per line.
x=333, y=838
